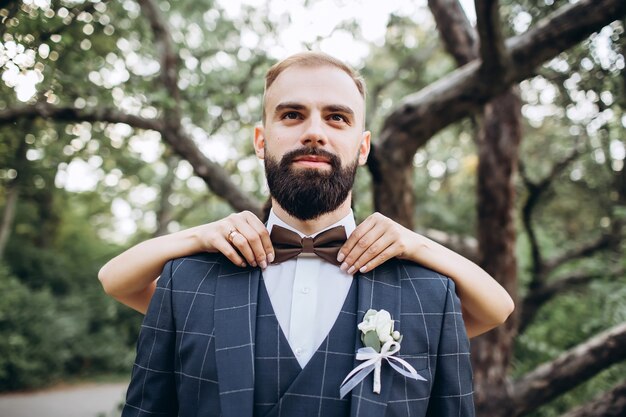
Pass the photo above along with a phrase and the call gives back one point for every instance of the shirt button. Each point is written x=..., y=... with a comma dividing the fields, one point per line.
x=306, y=290
x=299, y=351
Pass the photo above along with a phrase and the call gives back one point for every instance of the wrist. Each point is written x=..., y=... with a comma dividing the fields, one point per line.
x=419, y=249
x=198, y=238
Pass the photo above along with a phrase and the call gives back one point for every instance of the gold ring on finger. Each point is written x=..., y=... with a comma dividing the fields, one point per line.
x=231, y=235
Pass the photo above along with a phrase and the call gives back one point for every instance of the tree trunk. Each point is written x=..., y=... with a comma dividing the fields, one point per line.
x=12, y=194
x=392, y=184
x=498, y=143
x=165, y=211
x=462, y=93
x=8, y=216
x=498, y=147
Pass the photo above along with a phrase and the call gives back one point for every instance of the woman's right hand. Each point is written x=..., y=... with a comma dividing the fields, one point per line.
x=131, y=276
x=241, y=237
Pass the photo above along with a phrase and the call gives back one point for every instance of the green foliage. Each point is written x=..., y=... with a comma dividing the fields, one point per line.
x=55, y=320
x=31, y=337
x=445, y=182
x=44, y=337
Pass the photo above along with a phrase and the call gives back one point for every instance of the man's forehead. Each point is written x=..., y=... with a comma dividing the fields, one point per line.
x=320, y=86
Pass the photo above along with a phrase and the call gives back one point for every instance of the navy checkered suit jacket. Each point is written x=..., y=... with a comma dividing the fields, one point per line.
x=196, y=349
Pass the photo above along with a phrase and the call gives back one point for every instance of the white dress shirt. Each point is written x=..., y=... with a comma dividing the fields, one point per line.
x=307, y=294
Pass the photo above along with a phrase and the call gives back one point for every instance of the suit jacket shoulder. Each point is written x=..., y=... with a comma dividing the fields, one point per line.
x=422, y=280
x=188, y=272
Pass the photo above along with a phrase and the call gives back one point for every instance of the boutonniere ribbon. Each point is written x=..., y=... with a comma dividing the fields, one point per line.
x=381, y=343
x=373, y=363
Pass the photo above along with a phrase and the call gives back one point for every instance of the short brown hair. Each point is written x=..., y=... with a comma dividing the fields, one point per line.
x=311, y=59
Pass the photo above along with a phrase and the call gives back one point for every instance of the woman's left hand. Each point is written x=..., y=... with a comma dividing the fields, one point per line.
x=373, y=242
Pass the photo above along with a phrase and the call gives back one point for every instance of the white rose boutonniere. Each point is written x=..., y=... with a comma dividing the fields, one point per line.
x=381, y=342
x=377, y=329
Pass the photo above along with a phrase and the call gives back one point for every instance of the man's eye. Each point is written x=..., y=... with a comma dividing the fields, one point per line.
x=338, y=118
x=290, y=115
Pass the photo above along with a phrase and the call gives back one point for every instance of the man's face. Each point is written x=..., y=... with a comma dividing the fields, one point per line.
x=312, y=139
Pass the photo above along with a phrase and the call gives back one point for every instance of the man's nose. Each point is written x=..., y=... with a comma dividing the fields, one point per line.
x=314, y=134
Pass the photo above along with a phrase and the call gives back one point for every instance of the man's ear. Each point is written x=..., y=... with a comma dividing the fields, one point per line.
x=259, y=141
x=364, y=149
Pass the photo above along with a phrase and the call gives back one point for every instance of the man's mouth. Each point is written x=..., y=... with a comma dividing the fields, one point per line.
x=312, y=161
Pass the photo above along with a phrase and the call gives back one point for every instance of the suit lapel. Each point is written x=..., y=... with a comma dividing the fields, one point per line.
x=235, y=328
x=378, y=289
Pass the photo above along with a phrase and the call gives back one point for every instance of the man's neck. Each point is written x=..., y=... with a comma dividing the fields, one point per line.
x=310, y=227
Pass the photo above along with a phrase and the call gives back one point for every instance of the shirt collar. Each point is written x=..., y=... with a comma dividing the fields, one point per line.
x=347, y=222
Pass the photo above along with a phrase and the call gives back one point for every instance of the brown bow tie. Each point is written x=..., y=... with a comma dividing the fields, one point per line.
x=326, y=245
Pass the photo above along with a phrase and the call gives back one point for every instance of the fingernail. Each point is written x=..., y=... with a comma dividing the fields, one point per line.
x=243, y=265
x=253, y=264
x=351, y=270
x=343, y=267
x=363, y=269
x=270, y=258
x=263, y=265
x=341, y=257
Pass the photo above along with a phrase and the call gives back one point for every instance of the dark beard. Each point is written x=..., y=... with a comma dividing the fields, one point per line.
x=307, y=193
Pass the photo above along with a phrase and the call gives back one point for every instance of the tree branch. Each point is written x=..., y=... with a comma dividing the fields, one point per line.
x=458, y=35
x=603, y=242
x=217, y=179
x=461, y=92
x=609, y=404
x=493, y=53
x=538, y=187
x=168, y=58
x=535, y=191
x=544, y=292
x=570, y=369
x=562, y=285
x=170, y=128
x=74, y=114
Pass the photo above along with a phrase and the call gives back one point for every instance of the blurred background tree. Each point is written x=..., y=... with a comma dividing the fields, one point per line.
x=124, y=120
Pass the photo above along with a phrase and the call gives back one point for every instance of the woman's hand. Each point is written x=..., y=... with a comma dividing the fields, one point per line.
x=484, y=302
x=131, y=276
x=375, y=241
x=241, y=237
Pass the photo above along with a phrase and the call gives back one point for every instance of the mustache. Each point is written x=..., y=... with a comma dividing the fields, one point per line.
x=308, y=193
x=289, y=157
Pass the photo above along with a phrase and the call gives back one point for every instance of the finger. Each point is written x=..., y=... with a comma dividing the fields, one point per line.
x=239, y=241
x=378, y=246
x=228, y=251
x=379, y=259
x=354, y=238
x=248, y=242
x=266, y=243
x=362, y=245
x=372, y=252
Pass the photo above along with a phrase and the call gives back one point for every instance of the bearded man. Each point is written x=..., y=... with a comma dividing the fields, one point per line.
x=280, y=339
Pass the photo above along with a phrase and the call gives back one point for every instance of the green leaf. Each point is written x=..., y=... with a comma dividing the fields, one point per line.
x=370, y=339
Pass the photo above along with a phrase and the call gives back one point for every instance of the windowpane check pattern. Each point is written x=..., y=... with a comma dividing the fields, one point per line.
x=197, y=348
